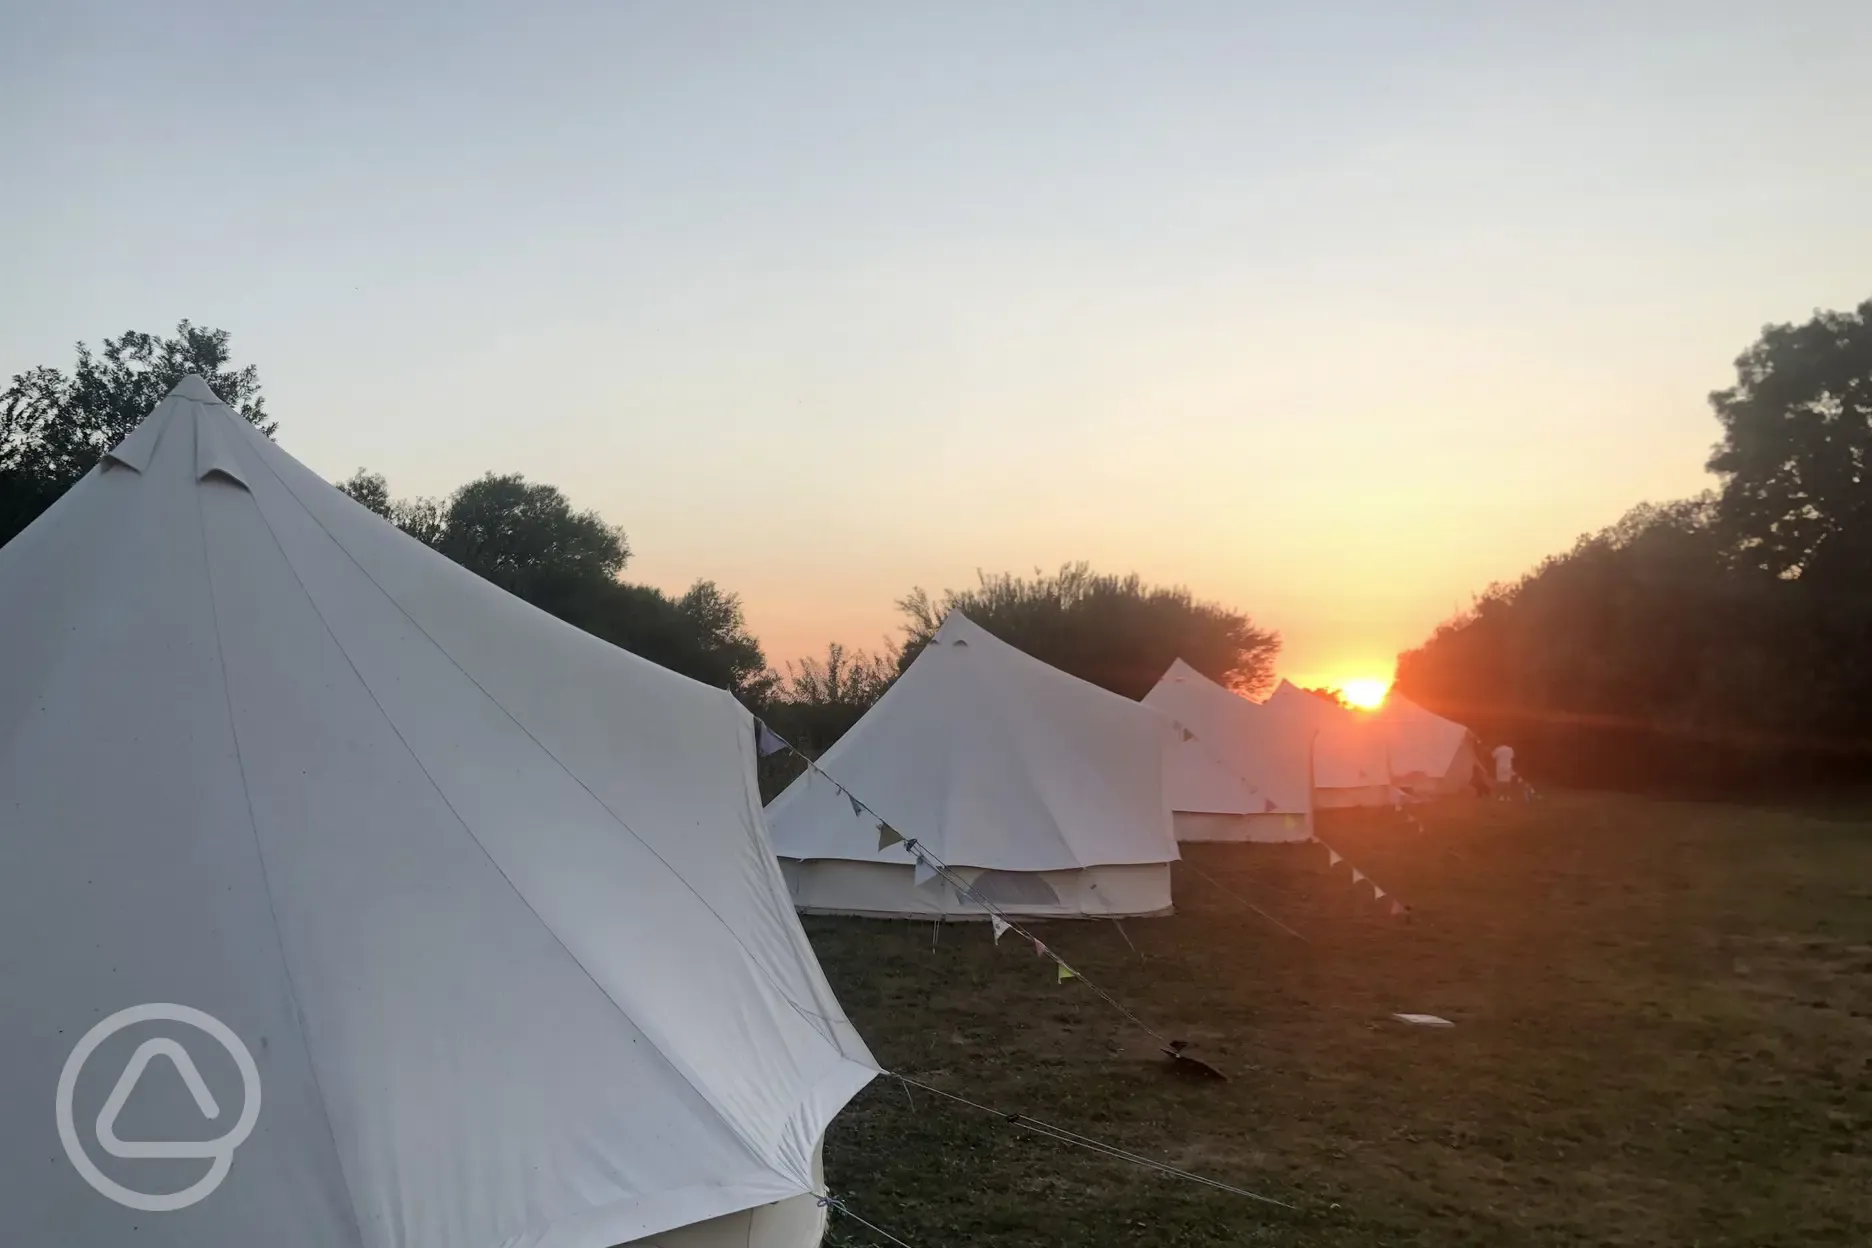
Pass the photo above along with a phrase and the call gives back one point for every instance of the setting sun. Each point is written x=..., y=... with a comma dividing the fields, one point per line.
x=1366, y=694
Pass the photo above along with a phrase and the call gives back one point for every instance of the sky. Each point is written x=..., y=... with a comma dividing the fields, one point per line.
x=1332, y=313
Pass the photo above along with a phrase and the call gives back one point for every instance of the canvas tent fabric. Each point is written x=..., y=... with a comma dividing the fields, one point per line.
x=1351, y=766
x=1043, y=791
x=488, y=900
x=1429, y=755
x=1237, y=772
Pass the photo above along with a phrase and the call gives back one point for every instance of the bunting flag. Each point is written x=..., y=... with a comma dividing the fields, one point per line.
x=1267, y=808
x=1293, y=821
x=1000, y=926
x=857, y=809
x=767, y=741
x=1358, y=876
x=1333, y=859
x=924, y=873
x=1378, y=894
x=1397, y=907
x=1188, y=735
x=888, y=836
x=1066, y=973
x=1039, y=949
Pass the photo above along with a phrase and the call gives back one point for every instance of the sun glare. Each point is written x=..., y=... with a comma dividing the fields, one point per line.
x=1367, y=695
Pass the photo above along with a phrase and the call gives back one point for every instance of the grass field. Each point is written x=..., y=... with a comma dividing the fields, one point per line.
x=1663, y=1037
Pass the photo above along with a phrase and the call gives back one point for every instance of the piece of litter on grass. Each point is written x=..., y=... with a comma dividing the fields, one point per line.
x=1423, y=1020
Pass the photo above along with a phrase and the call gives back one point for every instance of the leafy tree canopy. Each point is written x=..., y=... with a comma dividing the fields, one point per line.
x=1796, y=454
x=1114, y=631
x=527, y=538
x=54, y=426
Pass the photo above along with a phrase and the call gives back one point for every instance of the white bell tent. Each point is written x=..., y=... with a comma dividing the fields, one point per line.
x=487, y=901
x=1237, y=773
x=1045, y=793
x=1350, y=765
x=1429, y=756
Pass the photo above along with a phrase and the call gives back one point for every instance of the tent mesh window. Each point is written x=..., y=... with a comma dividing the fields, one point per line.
x=1014, y=888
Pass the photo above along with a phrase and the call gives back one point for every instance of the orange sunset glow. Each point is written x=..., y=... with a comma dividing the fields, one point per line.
x=1366, y=693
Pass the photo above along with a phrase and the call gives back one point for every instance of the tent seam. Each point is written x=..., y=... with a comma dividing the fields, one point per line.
x=266, y=881
x=752, y=1145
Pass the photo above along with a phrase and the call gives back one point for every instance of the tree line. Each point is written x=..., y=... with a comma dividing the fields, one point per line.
x=529, y=539
x=1710, y=643
x=1715, y=641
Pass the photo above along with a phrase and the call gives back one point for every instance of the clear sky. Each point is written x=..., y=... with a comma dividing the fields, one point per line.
x=1331, y=312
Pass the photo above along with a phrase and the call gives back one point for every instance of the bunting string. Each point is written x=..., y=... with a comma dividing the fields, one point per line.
x=1334, y=858
x=929, y=867
x=1001, y=923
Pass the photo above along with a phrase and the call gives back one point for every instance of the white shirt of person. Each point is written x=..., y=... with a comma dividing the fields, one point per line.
x=1504, y=763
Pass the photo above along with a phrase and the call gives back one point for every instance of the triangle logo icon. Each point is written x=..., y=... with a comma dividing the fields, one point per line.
x=184, y=1065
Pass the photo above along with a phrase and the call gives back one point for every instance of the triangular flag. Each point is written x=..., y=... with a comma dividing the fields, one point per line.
x=1039, y=949
x=767, y=741
x=857, y=810
x=1378, y=894
x=1066, y=973
x=1293, y=821
x=999, y=924
x=1267, y=808
x=1188, y=735
x=888, y=836
x=1397, y=907
x=924, y=873
x=1333, y=859
x=1358, y=876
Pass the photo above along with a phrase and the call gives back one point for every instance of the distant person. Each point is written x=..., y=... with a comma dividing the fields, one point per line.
x=1504, y=769
x=1478, y=779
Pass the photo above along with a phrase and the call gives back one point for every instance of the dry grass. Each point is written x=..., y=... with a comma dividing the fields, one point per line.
x=1664, y=1037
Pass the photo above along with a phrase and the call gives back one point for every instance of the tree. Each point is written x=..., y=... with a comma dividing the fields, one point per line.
x=421, y=518
x=518, y=533
x=822, y=698
x=1331, y=696
x=818, y=703
x=1114, y=631
x=54, y=428
x=1796, y=454
x=370, y=489
x=527, y=538
x=1647, y=657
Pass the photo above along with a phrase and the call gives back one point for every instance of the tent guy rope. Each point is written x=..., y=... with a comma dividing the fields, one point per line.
x=1224, y=889
x=1064, y=1135
x=837, y=1204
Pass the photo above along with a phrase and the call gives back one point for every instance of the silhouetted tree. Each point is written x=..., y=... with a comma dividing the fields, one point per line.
x=527, y=538
x=1648, y=656
x=1796, y=454
x=1718, y=640
x=818, y=702
x=1114, y=631
x=370, y=489
x=55, y=426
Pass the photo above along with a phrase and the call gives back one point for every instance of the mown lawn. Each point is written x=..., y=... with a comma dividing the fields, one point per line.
x=1663, y=1037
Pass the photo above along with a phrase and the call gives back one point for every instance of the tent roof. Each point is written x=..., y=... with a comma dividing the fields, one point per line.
x=488, y=900
x=992, y=759
x=1241, y=759
x=1421, y=742
x=1349, y=746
